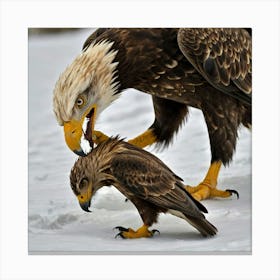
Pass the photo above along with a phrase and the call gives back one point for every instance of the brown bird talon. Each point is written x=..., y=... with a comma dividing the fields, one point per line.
x=119, y=235
x=233, y=191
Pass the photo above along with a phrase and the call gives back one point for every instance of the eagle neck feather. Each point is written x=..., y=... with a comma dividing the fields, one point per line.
x=105, y=80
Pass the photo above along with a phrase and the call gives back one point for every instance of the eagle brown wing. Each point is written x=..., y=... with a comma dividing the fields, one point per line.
x=93, y=37
x=223, y=56
x=141, y=174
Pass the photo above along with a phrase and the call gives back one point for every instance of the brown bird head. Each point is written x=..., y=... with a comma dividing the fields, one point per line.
x=86, y=87
x=92, y=172
x=85, y=180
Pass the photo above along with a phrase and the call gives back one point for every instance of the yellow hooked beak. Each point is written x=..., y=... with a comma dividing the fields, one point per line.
x=78, y=133
x=85, y=199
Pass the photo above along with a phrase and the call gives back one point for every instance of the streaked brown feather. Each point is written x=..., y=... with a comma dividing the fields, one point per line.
x=214, y=51
x=144, y=175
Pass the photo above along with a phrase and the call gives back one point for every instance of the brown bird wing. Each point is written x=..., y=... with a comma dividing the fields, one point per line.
x=223, y=56
x=143, y=175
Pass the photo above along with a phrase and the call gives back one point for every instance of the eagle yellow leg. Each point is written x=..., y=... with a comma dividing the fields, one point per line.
x=140, y=232
x=99, y=137
x=207, y=188
x=145, y=139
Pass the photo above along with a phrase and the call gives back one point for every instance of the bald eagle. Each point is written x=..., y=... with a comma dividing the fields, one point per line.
x=144, y=179
x=205, y=68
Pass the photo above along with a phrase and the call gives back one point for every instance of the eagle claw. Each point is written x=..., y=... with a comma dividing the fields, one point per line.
x=233, y=191
x=119, y=235
x=155, y=231
x=121, y=229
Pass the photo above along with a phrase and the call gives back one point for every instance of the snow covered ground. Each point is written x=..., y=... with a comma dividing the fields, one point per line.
x=56, y=222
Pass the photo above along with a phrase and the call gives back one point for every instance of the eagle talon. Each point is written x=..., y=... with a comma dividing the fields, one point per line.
x=122, y=232
x=233, y=191
x=119, y=235
x=155, y=231
x=121, y=229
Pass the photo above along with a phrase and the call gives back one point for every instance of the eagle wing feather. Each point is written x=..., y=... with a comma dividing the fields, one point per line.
x=223, y=56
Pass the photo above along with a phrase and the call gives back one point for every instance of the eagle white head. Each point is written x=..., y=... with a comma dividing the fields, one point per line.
x=86, y=87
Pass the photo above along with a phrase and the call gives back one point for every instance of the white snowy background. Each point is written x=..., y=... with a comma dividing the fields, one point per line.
x=56, y=222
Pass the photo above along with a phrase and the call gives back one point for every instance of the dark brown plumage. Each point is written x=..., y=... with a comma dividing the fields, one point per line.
x=206, y=68
x=144, y=179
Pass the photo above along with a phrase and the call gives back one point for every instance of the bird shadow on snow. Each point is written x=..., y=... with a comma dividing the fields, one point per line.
x=186, y=236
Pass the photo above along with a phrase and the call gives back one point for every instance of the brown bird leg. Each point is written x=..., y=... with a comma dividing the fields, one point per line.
x=143, y=231
x=208, y=187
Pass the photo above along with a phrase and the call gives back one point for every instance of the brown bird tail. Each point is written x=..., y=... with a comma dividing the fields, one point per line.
x=202, y=225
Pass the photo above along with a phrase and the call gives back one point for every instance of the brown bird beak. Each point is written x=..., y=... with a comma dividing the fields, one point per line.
x=85, y=206
x=84, y=198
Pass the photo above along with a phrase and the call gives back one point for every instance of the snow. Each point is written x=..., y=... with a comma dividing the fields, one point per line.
x=56, y=222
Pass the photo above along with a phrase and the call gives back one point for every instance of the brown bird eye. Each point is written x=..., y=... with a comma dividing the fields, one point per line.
x=83, y=183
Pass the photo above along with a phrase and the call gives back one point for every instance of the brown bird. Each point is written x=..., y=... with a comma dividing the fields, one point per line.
x=144, y=179
x=206, y=68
